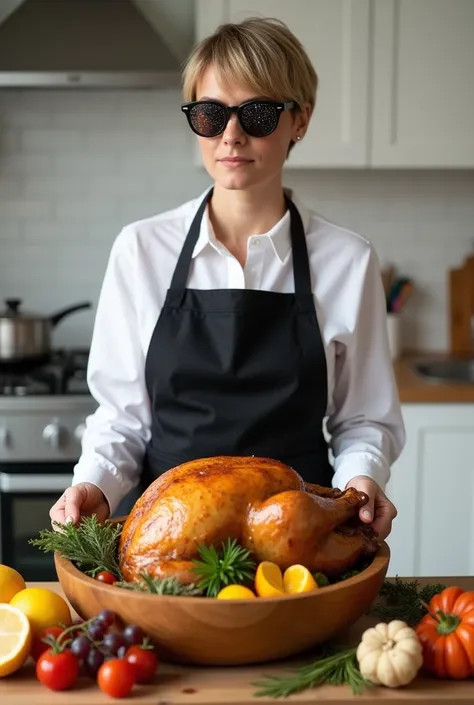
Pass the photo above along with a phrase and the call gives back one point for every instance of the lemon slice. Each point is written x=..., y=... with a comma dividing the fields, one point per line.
x=235, y=592
x=297, y=578
x=268, y=580
x=15, y=639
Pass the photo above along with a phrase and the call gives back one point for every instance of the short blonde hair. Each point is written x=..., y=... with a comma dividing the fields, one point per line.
x=259, y=53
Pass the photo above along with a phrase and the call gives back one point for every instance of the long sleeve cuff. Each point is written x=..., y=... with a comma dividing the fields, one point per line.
x=105, y=478
x=363, y=463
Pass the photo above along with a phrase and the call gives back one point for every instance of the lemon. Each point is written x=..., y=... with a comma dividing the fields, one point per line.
x=43, y=607
x=15, y=639
x=297, y=578
x=268, y=580
x=235, y=592
x=11, y=582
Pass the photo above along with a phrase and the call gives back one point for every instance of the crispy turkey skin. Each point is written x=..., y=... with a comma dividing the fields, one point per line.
x=262, y=503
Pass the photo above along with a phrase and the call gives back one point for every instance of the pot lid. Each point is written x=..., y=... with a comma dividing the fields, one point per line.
x=12, y=311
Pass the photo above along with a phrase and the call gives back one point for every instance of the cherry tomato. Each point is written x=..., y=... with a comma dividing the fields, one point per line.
x=144, y=662
x=116, y=678
x=39, y=646
x=106, y=577
x=57, y=671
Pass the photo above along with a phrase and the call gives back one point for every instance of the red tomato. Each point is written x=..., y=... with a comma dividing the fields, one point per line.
x=105, y=577
x=116, y=678
x=144, y=662
x=57, y=671
x=40, y=646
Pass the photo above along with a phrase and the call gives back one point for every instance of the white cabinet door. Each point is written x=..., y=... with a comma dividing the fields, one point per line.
x=423, y=87
x=335, y=34
x=432, y=485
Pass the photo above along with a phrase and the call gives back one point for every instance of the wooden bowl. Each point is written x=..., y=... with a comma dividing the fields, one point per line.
x=208, y=631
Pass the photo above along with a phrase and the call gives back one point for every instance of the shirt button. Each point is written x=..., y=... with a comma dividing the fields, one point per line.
x=256, y=242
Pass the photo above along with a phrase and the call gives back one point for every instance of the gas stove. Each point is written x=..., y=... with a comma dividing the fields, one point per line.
x=43, y=409
x=64, y=373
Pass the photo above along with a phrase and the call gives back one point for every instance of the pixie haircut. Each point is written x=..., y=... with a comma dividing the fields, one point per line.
x=261, y=54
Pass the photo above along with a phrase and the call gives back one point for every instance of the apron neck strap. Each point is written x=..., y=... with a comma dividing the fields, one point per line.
x=301, y=270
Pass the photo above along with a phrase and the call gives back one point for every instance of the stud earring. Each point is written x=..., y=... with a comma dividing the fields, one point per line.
x=298, y=138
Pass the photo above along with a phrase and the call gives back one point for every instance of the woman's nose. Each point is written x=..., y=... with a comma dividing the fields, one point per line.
x=233, y=133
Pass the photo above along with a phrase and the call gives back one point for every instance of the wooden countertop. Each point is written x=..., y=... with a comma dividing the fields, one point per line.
x=178, y=685
x=413, y=389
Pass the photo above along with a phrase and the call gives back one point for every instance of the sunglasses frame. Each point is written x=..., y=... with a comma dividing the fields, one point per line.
x=280, y=107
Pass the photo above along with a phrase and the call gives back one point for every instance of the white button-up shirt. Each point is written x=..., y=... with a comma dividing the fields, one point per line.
x=364, y=422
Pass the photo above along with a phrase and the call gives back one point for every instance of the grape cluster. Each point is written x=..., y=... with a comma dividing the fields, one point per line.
x=95, y=642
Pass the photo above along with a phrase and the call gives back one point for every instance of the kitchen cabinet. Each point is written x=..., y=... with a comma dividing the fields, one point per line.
x=423, y=91
x=432, y=486
x=395, y=78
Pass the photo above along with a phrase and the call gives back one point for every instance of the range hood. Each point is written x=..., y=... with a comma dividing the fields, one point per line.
x=83, y=44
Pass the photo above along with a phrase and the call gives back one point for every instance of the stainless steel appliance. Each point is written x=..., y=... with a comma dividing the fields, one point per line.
x=42, y=414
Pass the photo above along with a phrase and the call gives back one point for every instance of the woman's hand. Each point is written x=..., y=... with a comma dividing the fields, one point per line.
x=83, y=499
x=379, y=511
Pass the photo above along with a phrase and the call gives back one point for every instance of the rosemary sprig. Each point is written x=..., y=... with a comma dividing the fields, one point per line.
x=340, y=668
x=403, y=599
x=160, y=586
x=90, y=545
x=229, y=566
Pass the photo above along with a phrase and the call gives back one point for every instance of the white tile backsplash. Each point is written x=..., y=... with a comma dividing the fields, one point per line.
x=75, y=166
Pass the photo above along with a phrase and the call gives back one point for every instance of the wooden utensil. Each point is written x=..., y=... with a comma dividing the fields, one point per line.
x=461, y=308
x=204, y=630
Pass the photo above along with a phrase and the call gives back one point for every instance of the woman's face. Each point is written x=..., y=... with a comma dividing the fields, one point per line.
x=262, y=158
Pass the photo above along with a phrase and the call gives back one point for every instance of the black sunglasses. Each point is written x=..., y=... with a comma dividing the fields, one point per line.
x=258, y=118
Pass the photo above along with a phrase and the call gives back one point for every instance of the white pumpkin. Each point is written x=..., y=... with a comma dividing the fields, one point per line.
x=390, y=654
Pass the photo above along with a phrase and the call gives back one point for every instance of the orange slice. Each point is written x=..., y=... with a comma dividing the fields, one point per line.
x=297, y=578
x=235, y=592
x=15, y=639
x=268, y=580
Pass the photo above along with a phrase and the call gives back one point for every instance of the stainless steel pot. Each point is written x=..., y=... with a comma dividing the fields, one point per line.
x=27, y=336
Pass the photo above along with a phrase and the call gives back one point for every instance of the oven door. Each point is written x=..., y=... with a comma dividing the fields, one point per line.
x=27, y=493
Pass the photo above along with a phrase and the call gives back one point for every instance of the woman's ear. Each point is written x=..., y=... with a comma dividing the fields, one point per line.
x=302, y=118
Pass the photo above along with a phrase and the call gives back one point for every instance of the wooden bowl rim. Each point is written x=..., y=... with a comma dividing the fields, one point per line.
x=380, y=561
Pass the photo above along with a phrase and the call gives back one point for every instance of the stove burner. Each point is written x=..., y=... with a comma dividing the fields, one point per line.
x=64, y=373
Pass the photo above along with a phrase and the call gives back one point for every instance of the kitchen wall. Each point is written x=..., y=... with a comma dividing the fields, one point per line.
x=76, y=166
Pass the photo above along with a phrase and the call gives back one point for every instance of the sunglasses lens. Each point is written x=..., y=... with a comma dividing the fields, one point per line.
x=207, y=119
x=259, y=119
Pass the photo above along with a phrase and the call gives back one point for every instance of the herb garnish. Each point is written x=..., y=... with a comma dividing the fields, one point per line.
x=331, y=668
x=160, y=586
x=229, y=566
x=403, y=599
x=91, y=546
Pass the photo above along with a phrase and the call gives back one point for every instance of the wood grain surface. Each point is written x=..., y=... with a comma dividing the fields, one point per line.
x=175, y=685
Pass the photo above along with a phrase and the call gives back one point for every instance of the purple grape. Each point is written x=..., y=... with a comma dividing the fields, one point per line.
x=133, y=634
x=96, y=630
x=113, y=642
x=81, y=646
x=93, y=662
x=106, y=617
x=121, y=652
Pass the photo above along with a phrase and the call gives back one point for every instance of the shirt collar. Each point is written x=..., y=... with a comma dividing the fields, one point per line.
x=279, y=235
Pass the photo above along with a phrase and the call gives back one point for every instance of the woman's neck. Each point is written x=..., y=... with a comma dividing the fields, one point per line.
x=237, y=214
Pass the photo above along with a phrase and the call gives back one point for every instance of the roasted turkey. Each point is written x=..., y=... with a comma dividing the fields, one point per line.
x=262, y=503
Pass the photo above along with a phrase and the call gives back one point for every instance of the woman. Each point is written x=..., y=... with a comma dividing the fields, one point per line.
x=235, y=323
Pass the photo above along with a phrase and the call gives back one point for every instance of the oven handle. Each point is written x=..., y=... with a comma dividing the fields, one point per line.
x=28, y=484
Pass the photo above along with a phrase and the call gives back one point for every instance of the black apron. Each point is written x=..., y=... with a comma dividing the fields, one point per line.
x=238, y=372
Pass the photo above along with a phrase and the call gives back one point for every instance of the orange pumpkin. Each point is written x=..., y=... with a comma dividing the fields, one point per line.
x=447, y=634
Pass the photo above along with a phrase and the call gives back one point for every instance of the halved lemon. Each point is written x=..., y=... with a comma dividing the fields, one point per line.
x=15, y=639
x=268, y=580
x=235, y=592
x=297, y=578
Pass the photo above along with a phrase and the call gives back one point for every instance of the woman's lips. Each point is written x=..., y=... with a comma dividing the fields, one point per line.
x=235, y=161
